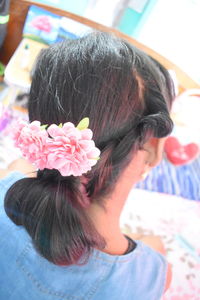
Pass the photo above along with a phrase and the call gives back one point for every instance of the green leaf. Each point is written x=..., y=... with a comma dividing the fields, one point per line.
x=96, y=158
x=83, y=124
x=2, y=69
x=43, y=127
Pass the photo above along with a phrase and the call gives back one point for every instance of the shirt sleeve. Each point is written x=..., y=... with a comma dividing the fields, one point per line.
x=6, y=183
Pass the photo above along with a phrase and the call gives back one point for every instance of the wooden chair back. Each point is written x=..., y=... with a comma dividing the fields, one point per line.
x=18, y=12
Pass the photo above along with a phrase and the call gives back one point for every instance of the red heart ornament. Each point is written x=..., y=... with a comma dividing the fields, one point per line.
x=179, y=154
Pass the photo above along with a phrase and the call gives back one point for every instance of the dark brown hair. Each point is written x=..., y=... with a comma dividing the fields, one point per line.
x=126, y=95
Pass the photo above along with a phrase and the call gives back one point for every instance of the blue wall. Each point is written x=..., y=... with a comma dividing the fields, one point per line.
x=75, y=6
x=132, y=21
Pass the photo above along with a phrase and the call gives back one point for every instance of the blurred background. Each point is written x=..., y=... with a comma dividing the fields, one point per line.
x=170, y=27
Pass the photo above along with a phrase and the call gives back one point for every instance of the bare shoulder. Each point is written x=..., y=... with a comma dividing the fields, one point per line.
x=20, y=165
x=154, y=242
x=3, y=173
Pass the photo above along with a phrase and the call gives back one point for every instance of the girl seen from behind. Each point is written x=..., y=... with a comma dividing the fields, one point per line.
x=62, y=239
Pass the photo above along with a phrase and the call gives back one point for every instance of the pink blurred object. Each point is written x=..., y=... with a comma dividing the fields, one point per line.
x=183, y=146
x=42, y=23
x=179, y=154
x=5, y=117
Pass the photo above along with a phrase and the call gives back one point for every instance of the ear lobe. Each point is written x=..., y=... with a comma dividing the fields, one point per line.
x=154, y=148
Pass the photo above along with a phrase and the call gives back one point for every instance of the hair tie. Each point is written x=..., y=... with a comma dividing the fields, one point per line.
x=64, y=147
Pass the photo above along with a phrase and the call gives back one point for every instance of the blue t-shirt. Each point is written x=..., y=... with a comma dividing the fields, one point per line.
x=25, y=275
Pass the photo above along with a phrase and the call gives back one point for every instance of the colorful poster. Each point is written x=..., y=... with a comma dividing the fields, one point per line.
x=46, y=27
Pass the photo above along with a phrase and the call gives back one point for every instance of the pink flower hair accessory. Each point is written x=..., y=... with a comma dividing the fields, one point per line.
x=66, y=148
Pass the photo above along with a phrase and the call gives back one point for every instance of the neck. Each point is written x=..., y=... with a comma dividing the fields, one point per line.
x=107, y=223
x=106, y=219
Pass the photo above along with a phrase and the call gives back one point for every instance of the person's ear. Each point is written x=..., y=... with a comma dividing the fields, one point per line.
x=154, y=148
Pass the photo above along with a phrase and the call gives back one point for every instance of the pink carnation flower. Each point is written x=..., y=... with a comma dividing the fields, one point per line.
x=32, y=141
x=16, y=131
x=66, y=148
x=71, y=151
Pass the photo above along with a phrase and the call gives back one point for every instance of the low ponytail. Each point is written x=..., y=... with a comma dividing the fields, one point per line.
x=126, y=95
x=50, y=207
